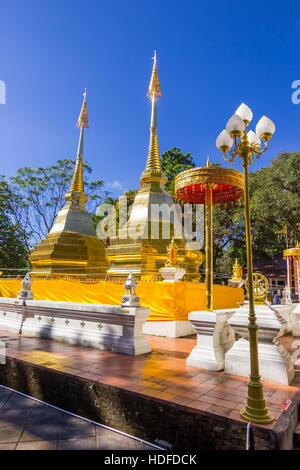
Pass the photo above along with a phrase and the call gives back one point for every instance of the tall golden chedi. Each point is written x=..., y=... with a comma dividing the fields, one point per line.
x=136, y=249
x=72, y=247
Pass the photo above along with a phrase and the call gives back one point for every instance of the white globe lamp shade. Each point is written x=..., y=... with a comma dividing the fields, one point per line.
x=224, y=141
x=245, y=113
x=253, y=139
x=235, y=126
x=265, y=128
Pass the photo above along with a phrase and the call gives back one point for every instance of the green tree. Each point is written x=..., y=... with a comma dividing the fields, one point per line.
x=36, y=195
x=13, y=253
x=173, y=161
x=274, y=202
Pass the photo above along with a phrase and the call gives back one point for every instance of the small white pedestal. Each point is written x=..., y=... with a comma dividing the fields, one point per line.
x=172, y=273
x=214, y=338
x=274, y=361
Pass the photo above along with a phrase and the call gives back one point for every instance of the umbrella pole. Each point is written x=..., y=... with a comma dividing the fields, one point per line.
x=209, y=248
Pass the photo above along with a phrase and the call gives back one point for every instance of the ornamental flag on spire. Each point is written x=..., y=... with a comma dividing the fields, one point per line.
x=154, y=87
x=83, y=117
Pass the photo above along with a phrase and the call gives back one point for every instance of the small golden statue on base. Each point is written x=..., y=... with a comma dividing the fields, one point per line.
x=171, y=271
x=172, y=252
x=237, y=275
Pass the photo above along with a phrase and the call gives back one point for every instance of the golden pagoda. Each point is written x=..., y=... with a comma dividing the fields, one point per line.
x=72, y=247
x=135, y=249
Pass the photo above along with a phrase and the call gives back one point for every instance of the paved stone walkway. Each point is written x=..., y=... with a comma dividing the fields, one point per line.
x=26, y=424
x=162, y=375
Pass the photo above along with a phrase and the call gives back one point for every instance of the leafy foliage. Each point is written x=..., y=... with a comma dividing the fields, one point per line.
x=13, y=253
x=274, y=202
x=36, y=195
x=173, y=161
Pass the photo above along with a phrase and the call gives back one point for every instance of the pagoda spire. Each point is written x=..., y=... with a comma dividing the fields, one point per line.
x=76, y=191
x=153, y=160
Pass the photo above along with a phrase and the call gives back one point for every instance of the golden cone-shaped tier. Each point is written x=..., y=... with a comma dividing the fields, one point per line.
x=153, y=160
x=77, y=184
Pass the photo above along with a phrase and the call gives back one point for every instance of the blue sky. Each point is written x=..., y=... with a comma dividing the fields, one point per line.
x=211, y=57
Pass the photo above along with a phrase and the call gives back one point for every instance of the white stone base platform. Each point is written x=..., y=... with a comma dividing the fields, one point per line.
x=275, y=362
x=272, y=366
x=214, y=338
x=107, y=327
x=171, y=329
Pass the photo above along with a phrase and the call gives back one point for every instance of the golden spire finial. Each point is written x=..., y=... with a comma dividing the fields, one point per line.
x=208, y=161
x=76, y=191
x=83, y=117
x=154, y=87
x=153, y=160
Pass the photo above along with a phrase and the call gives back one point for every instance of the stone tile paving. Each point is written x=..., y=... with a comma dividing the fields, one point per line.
x=26, y=424
x=162, y=375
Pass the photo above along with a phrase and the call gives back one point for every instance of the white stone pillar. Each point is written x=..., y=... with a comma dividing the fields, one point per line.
x=214, y=338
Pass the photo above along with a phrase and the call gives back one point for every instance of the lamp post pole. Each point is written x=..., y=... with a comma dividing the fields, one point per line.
x=249, y=146
x=255, y=410
x=209, y=248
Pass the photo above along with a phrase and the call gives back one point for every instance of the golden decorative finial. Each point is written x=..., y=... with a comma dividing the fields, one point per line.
x=76, y=191
x=208, y=161
x=153, y=159
x=83, y=117
x=154, y=87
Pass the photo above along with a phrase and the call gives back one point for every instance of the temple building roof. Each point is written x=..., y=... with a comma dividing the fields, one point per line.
x=271, y=267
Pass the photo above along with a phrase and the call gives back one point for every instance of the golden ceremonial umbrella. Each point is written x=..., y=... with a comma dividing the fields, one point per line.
x=209, y=185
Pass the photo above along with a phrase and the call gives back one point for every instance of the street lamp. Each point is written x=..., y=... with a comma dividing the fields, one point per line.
x=247, y=148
